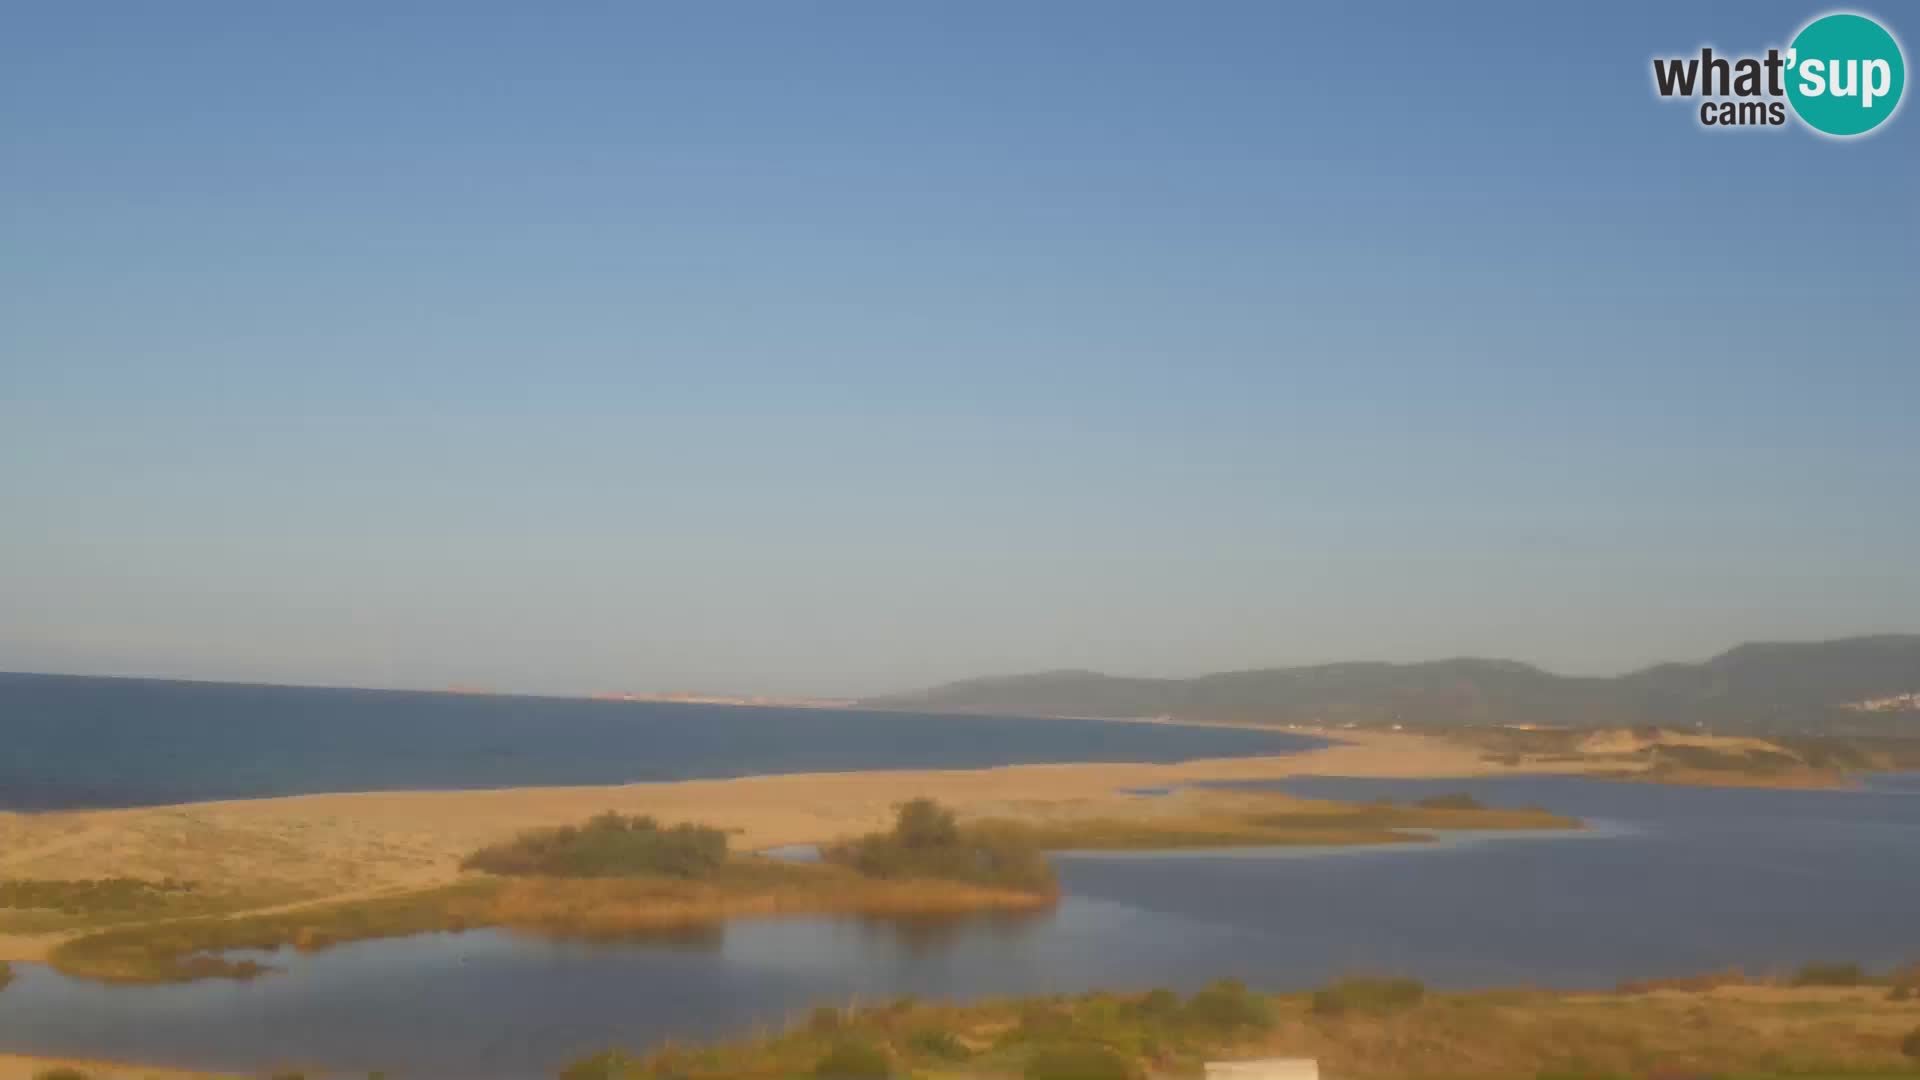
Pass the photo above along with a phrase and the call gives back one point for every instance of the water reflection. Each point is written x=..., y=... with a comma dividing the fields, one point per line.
x=922, y=935
x=693, y=937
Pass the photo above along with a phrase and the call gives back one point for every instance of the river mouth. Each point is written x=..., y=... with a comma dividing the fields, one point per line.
x=1663, y=882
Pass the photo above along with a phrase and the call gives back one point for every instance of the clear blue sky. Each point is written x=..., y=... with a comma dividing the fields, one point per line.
x=848, y=347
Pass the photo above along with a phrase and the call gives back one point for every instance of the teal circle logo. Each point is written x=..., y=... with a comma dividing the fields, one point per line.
x=1845, y=74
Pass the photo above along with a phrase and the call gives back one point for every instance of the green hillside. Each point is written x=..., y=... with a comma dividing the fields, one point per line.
x=1775, y=687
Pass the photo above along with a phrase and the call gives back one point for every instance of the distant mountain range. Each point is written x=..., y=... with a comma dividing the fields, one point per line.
x=1860, y=685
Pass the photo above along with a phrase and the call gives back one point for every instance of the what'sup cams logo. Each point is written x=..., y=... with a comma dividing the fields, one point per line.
x=1842, y=76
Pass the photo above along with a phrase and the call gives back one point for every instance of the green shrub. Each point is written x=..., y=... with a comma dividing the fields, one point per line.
x=938, y=1043
x=610, y=845
x=925, y=825
x=1160, y=1003
x=825, y=1020
x=1045, y=1020
x=1368, y=995
x=1228, y=1004
x=1080, y=1061
x=854, y=1061
x=1830, y=975
x=926, y=842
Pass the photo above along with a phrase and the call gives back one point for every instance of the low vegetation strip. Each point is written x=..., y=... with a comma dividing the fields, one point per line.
x=613, y=908
x=52, y=905
x=1363, y=1029
x=1247, y=824
x=96, y=896
x=188, y=949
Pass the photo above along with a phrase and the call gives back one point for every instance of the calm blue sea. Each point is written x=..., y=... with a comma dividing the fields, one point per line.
x=90, y=742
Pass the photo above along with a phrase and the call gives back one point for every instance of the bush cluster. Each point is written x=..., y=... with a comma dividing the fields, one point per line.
x=1831, y=975
x=851, y=1060
x=1228, y=1004
x=610, y=845
x=938, y=1043
x=1368, y=995
x=91, y=896
x=927, y=842
x=1079, y=1061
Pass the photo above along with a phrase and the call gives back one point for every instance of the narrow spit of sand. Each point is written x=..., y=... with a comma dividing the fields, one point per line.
x=320, y=847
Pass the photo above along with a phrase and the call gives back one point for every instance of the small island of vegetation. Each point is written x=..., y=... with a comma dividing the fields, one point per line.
x=1224, y=819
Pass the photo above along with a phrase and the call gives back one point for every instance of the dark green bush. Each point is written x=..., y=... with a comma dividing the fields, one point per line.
x=938, y=1043
x=1830, y=975
x=926, y=842
x=1228, y=1004
x=1160, y=1003
x=925, y=825
x=1080, y=1061
x=1368, y=995
x=854, y=1061
x=610, y=845
x=1045, y=1020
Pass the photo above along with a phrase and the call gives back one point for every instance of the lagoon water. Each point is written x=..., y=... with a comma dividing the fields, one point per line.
x=86, y=742
x=1667, y=881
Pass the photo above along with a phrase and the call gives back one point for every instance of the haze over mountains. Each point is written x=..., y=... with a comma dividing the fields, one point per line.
x=1859, y=685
